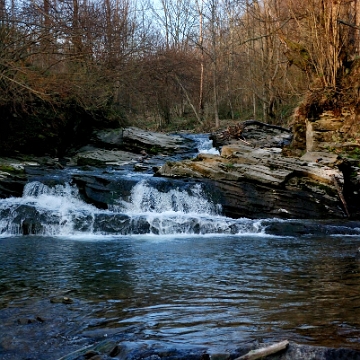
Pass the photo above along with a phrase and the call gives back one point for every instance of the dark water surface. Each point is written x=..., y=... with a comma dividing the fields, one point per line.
x=214, y=291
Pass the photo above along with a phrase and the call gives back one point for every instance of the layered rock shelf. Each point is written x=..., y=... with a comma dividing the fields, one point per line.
x=261, y=182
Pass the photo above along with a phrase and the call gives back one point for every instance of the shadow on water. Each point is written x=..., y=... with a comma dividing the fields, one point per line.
x=58, y=294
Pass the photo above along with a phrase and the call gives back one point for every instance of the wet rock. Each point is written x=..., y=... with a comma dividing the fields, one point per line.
x=61, y=300
x=90, y=354
x=25, y=321
x=11, y=185
x=115, y=351
x=16, y=173
x=26, y=220
x=306, y=227
x=103, y=191
x=301, y=352
x=28, y=227
x=66, y=300
x=220, y=356
x=153, y=351
x=140, y=167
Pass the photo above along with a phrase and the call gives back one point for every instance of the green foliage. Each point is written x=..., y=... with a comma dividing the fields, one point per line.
x=154, y=150
x=229, y=165
x=354, y=153
x=298, y=55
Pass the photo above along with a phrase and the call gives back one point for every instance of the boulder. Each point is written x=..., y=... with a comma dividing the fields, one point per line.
x=109, y=138
x=137, y=140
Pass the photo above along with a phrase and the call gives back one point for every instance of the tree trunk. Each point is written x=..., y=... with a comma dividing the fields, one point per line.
x=76, y=38
x=214, y=64
x=201, y=44
x=2, y=12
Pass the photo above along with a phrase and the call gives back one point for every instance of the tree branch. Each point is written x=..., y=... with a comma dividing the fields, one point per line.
x=260, y=353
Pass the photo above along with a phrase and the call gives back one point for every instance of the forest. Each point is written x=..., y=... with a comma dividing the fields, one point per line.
x=67, y=66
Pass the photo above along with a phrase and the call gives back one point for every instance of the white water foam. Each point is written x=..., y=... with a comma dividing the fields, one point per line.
x=59, y=211
x=58, y=208
x=205, y=146
x=146, y=199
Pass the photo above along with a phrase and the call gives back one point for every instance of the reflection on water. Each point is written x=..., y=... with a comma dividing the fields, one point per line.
x=212, y=291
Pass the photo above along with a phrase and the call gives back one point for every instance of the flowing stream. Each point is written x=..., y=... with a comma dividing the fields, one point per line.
x=163, y=264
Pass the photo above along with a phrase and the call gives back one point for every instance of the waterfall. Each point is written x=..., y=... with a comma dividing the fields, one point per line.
x=147, y=199
x=205, y=145
x=59, y=211
x=45, y=210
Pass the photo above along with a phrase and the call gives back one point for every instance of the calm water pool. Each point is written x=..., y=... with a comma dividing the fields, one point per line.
x=216, y=291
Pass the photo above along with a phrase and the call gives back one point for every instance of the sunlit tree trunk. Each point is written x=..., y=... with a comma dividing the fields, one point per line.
x=76, y=37
x=330, y=17
x=250, y=55
x=228, y=50
x=202, y=58
x=214, y=60
x=356, y=11
x=108, y=31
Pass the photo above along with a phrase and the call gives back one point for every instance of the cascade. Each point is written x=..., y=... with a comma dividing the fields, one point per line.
x=59, y=211
x=143, y=205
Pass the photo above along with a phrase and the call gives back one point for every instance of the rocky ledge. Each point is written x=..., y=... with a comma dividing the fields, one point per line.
x=115, y=148
x=256, y=180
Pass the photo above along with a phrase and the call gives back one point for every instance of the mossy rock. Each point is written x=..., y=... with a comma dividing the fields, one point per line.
x=15, y=170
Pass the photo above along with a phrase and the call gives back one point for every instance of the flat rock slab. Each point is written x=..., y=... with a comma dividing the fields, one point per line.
x=320, y=157
x=266, y=166
x=138, y=140
x=101, y=157
x=151, y=138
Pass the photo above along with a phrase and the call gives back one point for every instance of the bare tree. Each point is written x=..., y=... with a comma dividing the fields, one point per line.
x=200, y=8
x=3, y=12
x=324, y=38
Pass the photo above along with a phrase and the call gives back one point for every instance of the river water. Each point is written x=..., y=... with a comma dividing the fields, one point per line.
x=191, y=277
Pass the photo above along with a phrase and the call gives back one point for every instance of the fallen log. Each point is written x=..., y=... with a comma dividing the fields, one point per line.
x=260, y=353
x=341, y=195
x=269, y=126
x=219, y=138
